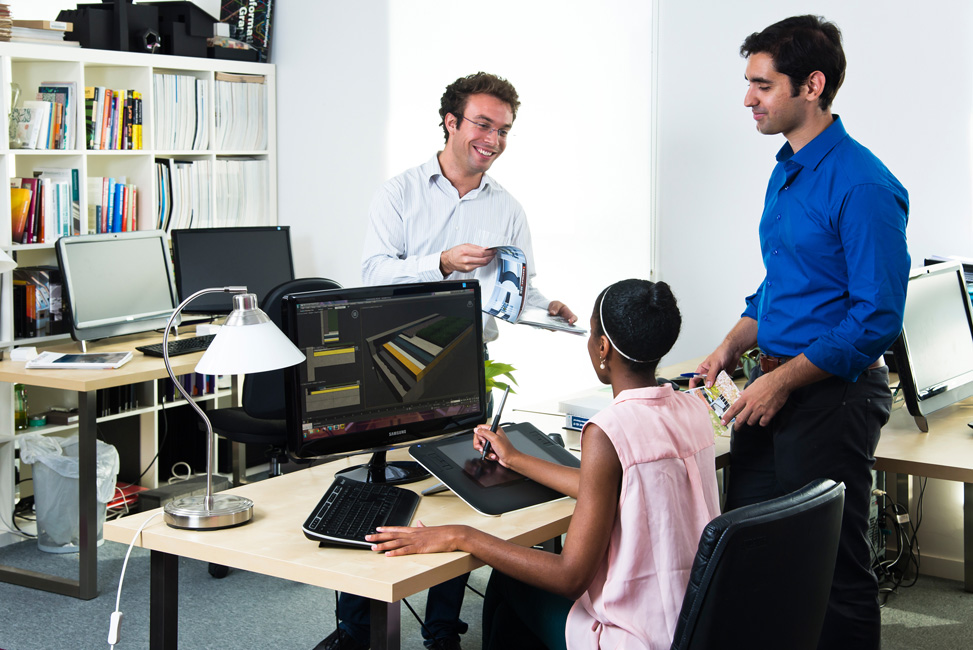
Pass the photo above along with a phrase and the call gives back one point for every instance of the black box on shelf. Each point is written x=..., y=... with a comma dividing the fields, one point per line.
x=114, y=25
x=184, y=28
x=234, y=54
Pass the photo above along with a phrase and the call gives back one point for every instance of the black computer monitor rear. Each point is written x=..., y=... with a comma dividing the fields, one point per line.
x=256, y=257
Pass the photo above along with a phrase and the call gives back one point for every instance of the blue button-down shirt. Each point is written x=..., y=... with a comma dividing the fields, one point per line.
x=833, y=242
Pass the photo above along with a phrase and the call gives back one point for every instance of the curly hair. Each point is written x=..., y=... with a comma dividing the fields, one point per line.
x=481, y=83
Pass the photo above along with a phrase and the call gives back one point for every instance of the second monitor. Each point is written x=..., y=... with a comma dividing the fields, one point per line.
x=258, y=258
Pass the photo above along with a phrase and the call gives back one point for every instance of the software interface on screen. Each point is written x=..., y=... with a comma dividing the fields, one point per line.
x=258, y=258
x=382, y=362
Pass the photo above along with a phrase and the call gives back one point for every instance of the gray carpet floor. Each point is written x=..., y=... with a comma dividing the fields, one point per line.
x=246, y=610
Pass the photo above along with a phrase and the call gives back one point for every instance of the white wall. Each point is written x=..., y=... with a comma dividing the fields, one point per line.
x=906, y=96
x=579, y=162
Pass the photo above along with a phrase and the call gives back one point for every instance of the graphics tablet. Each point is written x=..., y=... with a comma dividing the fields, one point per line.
x=485, y=485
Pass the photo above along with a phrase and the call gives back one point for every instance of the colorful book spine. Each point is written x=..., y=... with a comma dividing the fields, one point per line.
x=89, y=122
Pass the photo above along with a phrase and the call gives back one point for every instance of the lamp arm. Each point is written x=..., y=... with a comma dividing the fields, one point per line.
x=184, y=393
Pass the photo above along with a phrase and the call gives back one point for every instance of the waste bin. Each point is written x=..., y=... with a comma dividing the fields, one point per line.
x=55, y=471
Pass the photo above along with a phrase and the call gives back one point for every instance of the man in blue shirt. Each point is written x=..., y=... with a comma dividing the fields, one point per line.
x=832, y=238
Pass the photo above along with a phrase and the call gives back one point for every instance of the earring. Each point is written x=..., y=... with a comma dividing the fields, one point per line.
x=602, y=364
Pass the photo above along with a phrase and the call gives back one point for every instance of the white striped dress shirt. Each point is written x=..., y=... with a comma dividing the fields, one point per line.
x=419, y=214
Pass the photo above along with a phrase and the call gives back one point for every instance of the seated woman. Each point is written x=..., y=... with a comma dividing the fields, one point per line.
x=645, y=490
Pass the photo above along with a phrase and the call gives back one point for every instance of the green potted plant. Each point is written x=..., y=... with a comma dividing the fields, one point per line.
x=494, y=372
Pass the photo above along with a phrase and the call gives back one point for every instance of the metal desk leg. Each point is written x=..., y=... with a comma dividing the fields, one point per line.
x=386, y=623
x=87, y=492
x=968, y=536
x=164, y=601
x=86, y=586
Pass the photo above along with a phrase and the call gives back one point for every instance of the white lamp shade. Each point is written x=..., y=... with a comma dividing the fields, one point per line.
x=240, y=350
x=7, y=263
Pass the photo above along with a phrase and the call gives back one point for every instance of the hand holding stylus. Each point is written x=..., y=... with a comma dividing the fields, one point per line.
x=496, y=422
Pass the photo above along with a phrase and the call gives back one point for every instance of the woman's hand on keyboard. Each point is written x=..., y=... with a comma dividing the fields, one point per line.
x=408, y=540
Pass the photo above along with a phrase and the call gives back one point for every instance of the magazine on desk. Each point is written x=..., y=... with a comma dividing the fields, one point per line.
x=87, y=361
x=507, y=300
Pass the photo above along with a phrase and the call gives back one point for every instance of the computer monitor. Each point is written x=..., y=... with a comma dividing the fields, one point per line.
x=117, y=283
x=384, y=366
x=934, y=353
x=258, y=258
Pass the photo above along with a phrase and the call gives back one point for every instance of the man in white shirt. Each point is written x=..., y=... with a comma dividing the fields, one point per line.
x=437, y=221
x=441, y=220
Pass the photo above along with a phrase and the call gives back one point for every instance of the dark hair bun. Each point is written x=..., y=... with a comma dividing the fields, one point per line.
x=640, y=318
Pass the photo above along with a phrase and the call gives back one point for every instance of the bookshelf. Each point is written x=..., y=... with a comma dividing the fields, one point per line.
x=29, y=66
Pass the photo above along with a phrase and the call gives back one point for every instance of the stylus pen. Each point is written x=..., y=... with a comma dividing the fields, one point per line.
x=496, y=422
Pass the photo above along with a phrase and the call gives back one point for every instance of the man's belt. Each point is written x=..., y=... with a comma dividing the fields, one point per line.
x=769, y=364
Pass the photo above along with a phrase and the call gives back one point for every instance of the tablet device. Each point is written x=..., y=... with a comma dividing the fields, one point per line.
x=485, y=485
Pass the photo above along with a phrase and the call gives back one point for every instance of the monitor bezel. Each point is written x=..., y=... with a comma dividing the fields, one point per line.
x=90, y=330
x=950, y=391
x=376, y=440
x=204, y=308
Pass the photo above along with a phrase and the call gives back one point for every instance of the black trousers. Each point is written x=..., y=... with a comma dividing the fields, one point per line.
x=828, y=429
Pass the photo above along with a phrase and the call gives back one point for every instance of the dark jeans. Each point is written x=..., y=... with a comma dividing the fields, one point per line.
x=517, y=615
x=443, y=604
x=828, y=429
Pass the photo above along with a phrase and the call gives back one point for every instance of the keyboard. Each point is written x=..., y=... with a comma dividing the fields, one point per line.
x=349, y=510
x=179, y=346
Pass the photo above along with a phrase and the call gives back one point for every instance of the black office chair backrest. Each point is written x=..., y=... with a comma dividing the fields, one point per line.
x=263, y=392
x=762, y=573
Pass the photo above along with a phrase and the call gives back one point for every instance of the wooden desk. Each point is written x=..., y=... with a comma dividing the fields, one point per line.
x=273, y=544
x=946, y=452
x=86, y=383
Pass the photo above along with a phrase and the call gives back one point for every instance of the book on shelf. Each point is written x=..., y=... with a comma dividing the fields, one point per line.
x=29, y=232
x=36, y=31
x=112, y=205
x=63, y=94
x=53, y=206
x=38, y=305
x=68, y=197
x=113, y=118
x=240, y=111
x=38, y=116
x=250, y=21
x=45, y=25
x=180, y=112
x=19, y=204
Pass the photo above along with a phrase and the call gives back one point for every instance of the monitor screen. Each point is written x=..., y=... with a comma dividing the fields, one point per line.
x=117, y=283
x=934, y=354
x=258, y=258
x=384, y=365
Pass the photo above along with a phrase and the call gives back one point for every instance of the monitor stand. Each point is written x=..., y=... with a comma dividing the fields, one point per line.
x=378, y=470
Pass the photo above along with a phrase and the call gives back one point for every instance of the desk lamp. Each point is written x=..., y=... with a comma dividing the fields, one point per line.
x=247, y=342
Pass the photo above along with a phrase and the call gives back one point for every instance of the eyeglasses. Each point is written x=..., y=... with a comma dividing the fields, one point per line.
x=486, y=129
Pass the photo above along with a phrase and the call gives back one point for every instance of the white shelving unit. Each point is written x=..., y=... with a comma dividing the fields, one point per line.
x=30, y=65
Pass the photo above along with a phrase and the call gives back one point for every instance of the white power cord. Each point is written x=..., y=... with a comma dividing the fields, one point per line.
x=116, y=616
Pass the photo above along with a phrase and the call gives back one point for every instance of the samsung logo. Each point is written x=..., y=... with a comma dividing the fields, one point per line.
x=396, y=433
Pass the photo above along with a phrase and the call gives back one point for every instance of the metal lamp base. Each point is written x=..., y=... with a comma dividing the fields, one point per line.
x=228, y=510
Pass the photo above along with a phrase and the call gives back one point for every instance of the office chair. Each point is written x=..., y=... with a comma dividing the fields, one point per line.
x=762, y=573
x=261, y=420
